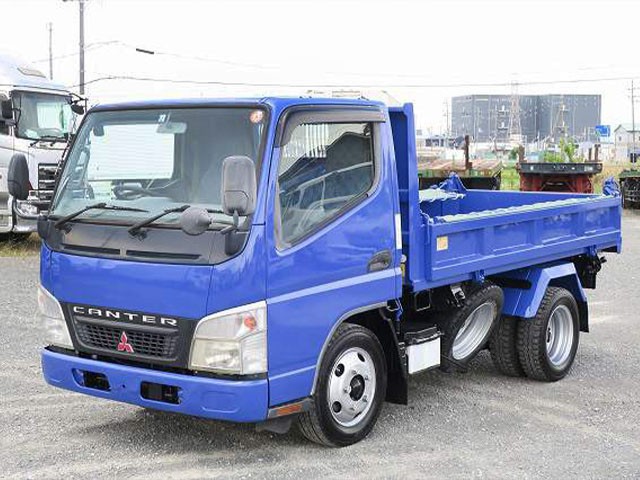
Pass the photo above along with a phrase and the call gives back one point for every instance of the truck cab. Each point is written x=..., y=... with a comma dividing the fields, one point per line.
x=256, y=260
x=35, y=125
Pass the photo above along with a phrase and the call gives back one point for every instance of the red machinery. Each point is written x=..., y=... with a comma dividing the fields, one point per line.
x=558, y=177
x=572, y=177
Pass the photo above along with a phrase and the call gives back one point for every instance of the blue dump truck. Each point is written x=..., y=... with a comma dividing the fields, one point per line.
x=271, y=260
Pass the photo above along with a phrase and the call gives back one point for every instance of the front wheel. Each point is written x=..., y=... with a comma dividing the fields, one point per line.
x=351, y=387
x=548, y=342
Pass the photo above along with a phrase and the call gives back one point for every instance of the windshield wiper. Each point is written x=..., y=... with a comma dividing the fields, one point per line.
x=48, y=138
x=136, y=228
x=96, y=206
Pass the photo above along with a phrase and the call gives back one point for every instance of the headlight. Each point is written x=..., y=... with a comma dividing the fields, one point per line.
x=52, y=318
x=233, y=341
x=26, y=208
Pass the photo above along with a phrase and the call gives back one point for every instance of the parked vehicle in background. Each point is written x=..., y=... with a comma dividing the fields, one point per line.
x=265, y=260
x=477, y=173
x=36, y=120
x=559, y=171
x=630, y=187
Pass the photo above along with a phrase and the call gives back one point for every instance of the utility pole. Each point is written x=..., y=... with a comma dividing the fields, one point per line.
x=81, y=3
x=50, y=25
x=81, y=42
x=633, y=124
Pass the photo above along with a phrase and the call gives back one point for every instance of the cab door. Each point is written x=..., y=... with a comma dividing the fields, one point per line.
x=332, y=249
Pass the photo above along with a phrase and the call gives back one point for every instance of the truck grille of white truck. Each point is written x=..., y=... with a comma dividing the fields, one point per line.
x=46, y=180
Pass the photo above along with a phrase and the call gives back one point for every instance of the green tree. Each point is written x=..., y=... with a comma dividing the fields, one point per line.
x=567, y=152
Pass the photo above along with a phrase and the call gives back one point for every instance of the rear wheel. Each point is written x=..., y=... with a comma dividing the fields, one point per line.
x=352, y=382
x=547, y=344
x=502, y=346
x=467, y=329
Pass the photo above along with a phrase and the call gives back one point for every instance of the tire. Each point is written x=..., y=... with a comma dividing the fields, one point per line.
x=351, y=349
x=467, y=329
x=547, y=344
x=503, y=349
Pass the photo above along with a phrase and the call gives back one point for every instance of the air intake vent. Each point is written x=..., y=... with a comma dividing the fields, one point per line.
x=162, y=255
x=89, y=249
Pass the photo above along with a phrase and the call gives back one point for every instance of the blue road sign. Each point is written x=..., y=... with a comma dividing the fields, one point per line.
x=603, y=130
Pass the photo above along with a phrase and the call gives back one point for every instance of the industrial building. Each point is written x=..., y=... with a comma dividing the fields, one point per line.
x=499, y=118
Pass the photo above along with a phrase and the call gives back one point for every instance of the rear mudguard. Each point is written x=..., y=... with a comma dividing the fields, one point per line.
x=524, y=289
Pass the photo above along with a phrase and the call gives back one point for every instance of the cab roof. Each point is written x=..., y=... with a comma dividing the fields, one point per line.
x=16, y=73
x=276, y=103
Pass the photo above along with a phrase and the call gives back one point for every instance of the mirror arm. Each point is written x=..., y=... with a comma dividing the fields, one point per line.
x=234, y=227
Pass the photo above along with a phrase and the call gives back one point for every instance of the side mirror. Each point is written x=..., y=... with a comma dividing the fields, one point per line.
x=44, y=226
x=195, y=221
x=77, y=108
x=18, y=177
x=6, y=110
x=239, y=188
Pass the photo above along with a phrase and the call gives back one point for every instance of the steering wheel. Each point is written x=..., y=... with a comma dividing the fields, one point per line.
x=310, y=217
x=52, y=131
x=132, y=191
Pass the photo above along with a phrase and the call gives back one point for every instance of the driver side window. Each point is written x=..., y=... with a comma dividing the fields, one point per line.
x=324, y=169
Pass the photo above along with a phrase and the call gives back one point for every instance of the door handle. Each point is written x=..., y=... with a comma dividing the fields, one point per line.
x=380, y=261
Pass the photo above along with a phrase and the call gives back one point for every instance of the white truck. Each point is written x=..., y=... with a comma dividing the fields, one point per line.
x=37, y=117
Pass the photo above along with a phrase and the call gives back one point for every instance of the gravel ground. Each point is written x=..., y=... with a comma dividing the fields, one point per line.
x=474, y=425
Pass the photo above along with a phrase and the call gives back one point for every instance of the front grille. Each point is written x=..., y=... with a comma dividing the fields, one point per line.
x=46, y=180
x=144, y=337
x=144, y=343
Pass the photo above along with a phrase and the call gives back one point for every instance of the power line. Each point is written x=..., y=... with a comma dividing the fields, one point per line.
x=342, y=85
x=199, y=58
x=90, y=46
x=280, y=67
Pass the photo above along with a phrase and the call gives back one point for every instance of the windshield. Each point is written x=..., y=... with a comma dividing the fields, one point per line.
x=154, y=160
x=42, y=115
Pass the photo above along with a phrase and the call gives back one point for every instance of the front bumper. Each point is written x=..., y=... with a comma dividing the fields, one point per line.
x=25, y=225
x=232, y=400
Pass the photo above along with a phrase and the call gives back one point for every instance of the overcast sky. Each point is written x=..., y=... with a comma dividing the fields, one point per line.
x=419, y=51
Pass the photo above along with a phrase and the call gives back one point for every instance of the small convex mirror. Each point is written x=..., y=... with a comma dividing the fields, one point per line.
x=195, y=221
x=77, y=109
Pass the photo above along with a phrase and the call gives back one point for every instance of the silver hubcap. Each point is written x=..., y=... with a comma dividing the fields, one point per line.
x=351, y=387
x=559, y=335
x=474, y=331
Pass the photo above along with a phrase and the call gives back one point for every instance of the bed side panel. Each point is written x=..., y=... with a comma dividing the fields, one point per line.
x=489, y=244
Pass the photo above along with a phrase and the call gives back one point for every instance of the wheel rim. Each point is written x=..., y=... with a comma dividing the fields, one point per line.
x=352, y=386
x=559, y=336
x=474, y=331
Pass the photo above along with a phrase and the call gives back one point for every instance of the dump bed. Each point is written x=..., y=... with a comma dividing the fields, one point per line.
x=486, y=232
x=451, y=235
